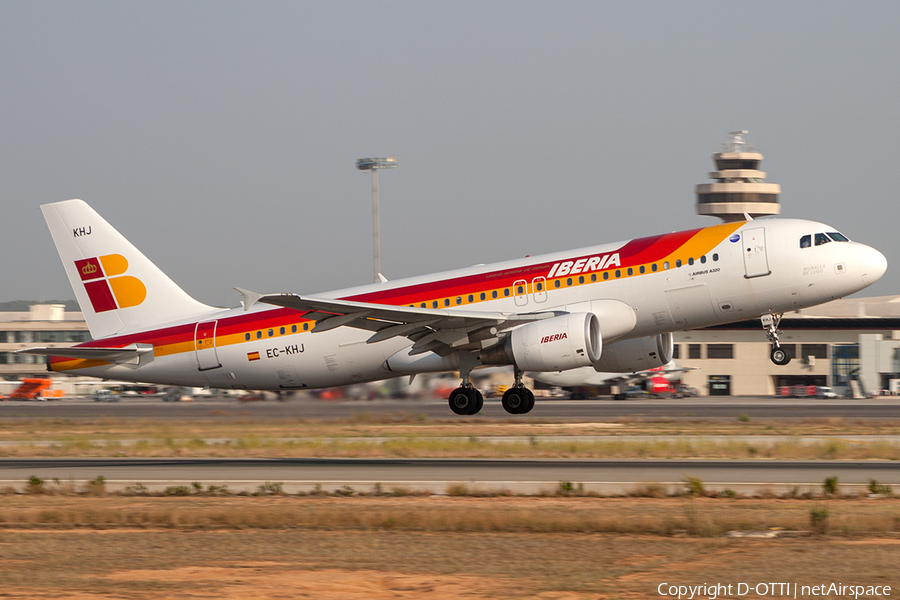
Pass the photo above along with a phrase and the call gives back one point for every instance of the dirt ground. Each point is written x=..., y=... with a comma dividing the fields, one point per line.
x=330, y=563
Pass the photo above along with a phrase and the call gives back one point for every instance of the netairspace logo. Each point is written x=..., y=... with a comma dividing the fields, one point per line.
x=786, y=590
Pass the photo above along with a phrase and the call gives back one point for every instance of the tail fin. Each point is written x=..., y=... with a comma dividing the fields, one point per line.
x=118, y=288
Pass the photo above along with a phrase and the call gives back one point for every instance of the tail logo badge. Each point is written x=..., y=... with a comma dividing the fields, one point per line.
x=106, y=284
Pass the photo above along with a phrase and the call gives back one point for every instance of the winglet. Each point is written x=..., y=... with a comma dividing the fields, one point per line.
x=250, y=298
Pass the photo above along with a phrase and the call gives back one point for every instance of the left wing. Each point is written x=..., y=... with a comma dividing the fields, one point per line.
x=432, y=330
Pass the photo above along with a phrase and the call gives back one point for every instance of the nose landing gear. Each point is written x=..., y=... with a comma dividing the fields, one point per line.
x=770, y=323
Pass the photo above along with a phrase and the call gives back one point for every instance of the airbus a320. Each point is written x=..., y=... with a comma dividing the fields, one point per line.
x=611, y=307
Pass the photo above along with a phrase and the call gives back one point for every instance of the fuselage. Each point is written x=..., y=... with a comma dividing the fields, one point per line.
x=671, y=282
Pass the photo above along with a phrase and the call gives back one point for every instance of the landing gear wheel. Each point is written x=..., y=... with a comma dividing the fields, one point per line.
x=780, y=356
x=515, y=400
x=530, y=403
x=464, y=400
x=479, y=402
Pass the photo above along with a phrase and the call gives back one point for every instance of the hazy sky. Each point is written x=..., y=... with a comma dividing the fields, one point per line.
x=220, y=137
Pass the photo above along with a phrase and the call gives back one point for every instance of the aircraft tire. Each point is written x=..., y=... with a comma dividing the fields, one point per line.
x=530, y=404
x=479, y=402
x=515, y=400
x=464, y=401
x=780, y=356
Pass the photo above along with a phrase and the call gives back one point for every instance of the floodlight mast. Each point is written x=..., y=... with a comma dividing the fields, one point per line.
x=374, y=164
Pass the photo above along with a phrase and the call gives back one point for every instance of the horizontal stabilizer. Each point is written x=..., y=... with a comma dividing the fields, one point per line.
x=113, y=355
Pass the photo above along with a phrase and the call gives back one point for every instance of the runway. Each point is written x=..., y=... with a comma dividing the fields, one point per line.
x=435, y=475
x=308, y=407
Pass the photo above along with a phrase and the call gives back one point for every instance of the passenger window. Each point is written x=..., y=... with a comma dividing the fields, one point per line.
x=520, y=290
x=423, y=305
x=539, y=286
x=494, y=293
x=691, y=261
x=258, y=334
x=247, y=337
x=293, y=329
x=281, y=331
x=618, y=273
x=605, y=274
x=305, y=326
x=703, y=259
x=715, y=257
x=568, y=282
x=581, y=279
x=642, y=269
x=446, y=301
x=556, y=283
x=630, y=271
x=666, y=266
x=459, y=299
x=434, y=304
x=653, y=267
x=593, y=277
x=506, y=291
x=471, y=298
x=678, y=263
x=821, y=238
x=805, y=241
x=482, y=296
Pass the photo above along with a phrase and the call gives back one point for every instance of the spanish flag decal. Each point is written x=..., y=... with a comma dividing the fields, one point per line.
x=253, y=356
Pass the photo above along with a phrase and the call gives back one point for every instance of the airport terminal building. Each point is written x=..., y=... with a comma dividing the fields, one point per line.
x=846, y=343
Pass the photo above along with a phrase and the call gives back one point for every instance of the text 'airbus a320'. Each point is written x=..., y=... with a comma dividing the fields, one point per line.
x=611, y=307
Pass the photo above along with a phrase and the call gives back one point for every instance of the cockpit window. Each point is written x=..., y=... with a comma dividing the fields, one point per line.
x=806, y=241
x=838, y=237
x=821, y=238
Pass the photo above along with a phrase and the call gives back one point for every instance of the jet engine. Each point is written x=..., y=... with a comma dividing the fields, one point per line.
x=554, y=344
x=639, y=354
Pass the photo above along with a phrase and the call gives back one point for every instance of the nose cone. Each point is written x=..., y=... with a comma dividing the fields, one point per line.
x=872, y=265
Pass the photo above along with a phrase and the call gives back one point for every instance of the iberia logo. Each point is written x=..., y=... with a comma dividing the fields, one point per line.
x=106, y=285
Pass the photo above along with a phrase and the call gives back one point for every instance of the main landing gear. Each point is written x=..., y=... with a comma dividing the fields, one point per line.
x=770, y=323
x=466, y=400
x=518, y=400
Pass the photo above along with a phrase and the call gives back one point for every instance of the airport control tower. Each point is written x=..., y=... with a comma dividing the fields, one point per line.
x=740, y=187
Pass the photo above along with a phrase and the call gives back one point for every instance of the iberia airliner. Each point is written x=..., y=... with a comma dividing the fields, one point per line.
x=612, y=307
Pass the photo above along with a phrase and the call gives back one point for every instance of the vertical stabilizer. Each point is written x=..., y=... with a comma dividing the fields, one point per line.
x=118, y=289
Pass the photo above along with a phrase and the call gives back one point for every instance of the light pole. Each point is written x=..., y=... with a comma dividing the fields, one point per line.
x=374, y=164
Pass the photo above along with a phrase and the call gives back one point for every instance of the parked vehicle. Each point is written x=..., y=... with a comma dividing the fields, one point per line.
x=106, y=396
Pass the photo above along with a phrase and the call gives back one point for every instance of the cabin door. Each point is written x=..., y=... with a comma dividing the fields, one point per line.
x=756, y=262
x=205, y=346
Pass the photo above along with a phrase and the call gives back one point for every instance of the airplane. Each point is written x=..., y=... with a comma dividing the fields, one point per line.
x=612, y=307
x=656, y=380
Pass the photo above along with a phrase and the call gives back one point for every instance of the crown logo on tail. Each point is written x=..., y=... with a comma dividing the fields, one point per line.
x=106, y=284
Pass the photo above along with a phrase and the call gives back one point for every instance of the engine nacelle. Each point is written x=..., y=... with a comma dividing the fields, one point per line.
x=639, y=354
x=555, y=344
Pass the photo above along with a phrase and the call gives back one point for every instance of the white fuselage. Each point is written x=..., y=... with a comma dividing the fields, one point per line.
x=728, y=273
